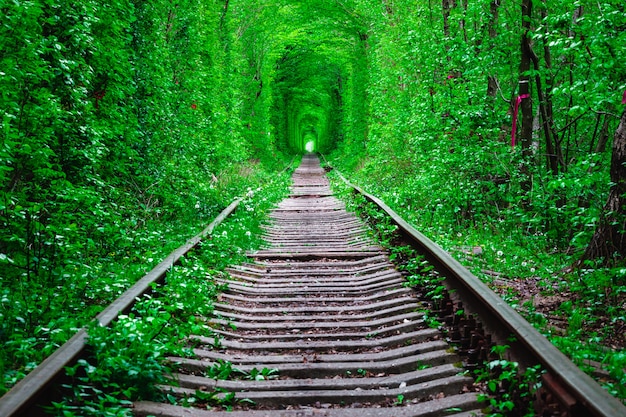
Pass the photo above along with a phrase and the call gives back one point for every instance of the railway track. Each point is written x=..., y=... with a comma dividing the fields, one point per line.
x=323, y=307
x=320, y=323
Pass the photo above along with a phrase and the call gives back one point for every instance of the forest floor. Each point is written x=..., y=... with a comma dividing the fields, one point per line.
x=545, y=302
x=543, y=298
x=595, y=341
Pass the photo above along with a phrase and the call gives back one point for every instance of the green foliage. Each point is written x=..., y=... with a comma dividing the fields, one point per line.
x=128, y=124
x=119, y=140
x=438, y=109
x=220, y=370
x=508, y=388
x=205, y=399
x=443, y=145
x=586, y=352
x=261, y=375
x=128, y=359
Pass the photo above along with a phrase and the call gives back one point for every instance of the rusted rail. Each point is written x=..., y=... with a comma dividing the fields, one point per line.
x=566, y=386
x=324, y=307
x=23, y=398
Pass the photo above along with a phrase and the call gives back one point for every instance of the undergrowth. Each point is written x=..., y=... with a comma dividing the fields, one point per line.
x=73, y=275
x=507, y=389
x=126, y=360
x=586, y=316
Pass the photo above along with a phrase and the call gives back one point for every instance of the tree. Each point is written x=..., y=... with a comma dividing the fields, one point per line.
x=492, y=80
x=608, y=243
x=523, y=98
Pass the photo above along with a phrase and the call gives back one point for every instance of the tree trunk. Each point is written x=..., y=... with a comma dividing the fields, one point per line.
x=223, y=15
x=545, y=105
x=492, y=81
x=603, y=137
x=526, y=106
x=608, y=243
x=493, y=21
x=463, y=22
x=445, y=5
x=524, y=101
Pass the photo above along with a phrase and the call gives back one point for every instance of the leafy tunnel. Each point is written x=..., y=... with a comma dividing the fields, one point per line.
x=487, y=124
x=310, y=49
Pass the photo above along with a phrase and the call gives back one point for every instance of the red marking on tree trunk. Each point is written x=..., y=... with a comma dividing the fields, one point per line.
x=99, y=95
x=515, y=111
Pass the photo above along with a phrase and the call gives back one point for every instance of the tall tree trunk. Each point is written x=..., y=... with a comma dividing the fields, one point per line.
x=545, y=105
x=603, y=138
x=463, y=22
x=546, y=121
x=570, y=65
x=526, y=107
x=492, y=81
x=523, y=98
x=446, y=5
x=609, y=240
x=557, y=156
x=223, y=15
x=493, y=21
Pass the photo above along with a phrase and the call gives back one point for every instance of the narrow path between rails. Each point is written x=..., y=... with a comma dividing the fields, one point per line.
x=323, y=306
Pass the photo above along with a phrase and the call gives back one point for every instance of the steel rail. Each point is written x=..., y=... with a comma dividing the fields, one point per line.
x=590, y=398
x=24, y=395
x=20, y=399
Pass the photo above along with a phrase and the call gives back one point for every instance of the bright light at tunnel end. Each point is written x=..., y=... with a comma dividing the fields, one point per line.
x=310, y=146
